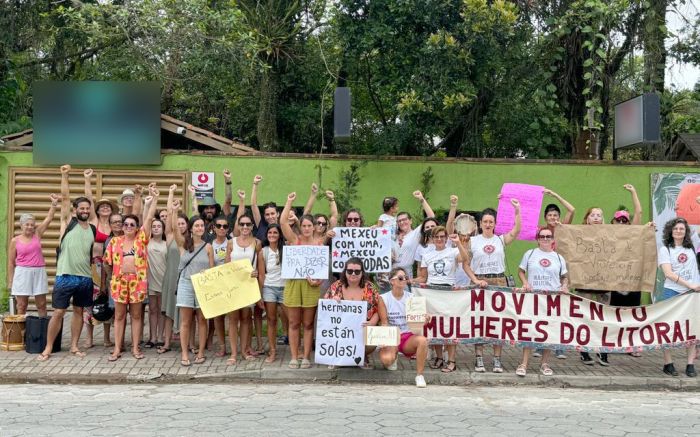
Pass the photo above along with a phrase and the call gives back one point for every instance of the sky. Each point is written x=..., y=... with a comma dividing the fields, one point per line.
x=678, y=75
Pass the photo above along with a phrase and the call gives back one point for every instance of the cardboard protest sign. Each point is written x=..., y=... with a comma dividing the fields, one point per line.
x=416, y=313
x=373, y=246
x=608, y=257
x=530, y=198
x=559, y=321
x=687, y=205
x=382, y=336
x=301, y=262
x=226, y=288
x=339, y=332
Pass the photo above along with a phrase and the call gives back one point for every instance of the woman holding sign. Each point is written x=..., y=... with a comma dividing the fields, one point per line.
x=196, y=255
x=355, y=285
x=542, y=269
x=677, y=261
x=300, y=295
x=411, y=345
x=439, y=267
x=488, y=267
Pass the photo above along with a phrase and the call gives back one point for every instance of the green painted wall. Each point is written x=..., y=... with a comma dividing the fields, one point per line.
x=477, y=183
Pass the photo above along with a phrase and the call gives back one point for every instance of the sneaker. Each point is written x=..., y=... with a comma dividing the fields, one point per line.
x=394, y=365
x=586, y=358
x=537, y=354
x=602, y=359
x=497, y=368
x=420, y=381
x=479, y=365
x=690, y=370
x=670, y=369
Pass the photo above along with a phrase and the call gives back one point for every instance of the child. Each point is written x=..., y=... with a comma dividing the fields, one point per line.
x=390, y=205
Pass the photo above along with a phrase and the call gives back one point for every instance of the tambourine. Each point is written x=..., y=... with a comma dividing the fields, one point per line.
x=465, y=224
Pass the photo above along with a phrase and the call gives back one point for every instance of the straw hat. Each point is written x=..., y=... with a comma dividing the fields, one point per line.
x=105, y=201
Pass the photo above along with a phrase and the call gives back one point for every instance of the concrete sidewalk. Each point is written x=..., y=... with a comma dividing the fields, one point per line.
x=624, y=372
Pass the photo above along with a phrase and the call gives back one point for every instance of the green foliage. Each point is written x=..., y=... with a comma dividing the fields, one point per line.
x=346, y=190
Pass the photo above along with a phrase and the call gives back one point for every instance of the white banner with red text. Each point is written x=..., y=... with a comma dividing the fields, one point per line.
x=558, y=321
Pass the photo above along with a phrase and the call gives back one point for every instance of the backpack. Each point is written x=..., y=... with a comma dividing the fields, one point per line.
x=73, y=222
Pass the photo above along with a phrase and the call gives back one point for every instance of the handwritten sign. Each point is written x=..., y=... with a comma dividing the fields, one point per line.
x=416, y=309
x=339, y=332
x=687, y=205
x=530, y=198
x=608, y=257
x=301, y=262
x=373, y=246
x=382, y=336
x=226, y=288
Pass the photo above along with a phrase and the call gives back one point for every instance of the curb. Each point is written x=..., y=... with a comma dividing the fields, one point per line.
x=375, y=377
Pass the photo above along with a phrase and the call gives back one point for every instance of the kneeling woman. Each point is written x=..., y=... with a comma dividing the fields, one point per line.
x=411, y=344
x=354, y=285
x=542, y=269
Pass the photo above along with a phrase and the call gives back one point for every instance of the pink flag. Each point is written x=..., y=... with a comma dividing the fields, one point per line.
x=530, y=197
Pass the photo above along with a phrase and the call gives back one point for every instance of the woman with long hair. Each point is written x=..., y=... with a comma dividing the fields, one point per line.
x=127, y=260
x=196, y=255
x=271, y=283
x=300, y=295
x=354, y=284
x=678, y=263
x=157, y=263
x=26, y=268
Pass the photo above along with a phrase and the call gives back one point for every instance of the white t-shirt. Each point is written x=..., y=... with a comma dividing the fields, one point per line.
x=488, y=255
x=543, y=269
x=273, y=271
x=406, y=251
x=389, y=222
x=461, y=278
x=420, y=250
x=396, y=310
x=441, y=265
x=683, y=263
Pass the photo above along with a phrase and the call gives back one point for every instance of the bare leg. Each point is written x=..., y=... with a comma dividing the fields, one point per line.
x=23, y=303
x=52, y=331
x=387, y=355
x=202, y=325
x=285, y=321
x=271, y=330
x=185, y=329
x=233, y=319
x=76, y=328
x=309, y=317
x=167, y=331
x=258, y=322
x=220, y=335
x=107, y=327
x=40, y=301
x=294, y=315
x=119, y=322
x=245, y=333
x=136, y=313
x=153, y=317
x=418, y=346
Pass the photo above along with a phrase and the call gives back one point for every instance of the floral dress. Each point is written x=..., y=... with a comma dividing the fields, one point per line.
x=128, y=287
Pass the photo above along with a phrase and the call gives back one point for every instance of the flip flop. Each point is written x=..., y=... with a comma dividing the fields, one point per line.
x=162, y=350
x=43, y=357
x=231, y=362
x=220, y=354
x=200, y=360
x=113, y=358
x=271, y=358
x=138, y=355
x=78, y=353
x=249, y=357
x=185, y=363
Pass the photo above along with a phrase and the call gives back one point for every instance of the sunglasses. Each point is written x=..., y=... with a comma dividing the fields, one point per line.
x=321, y=223
x=246, y=225
x=353, y=219
x=354, y=272
x=545, y=237
x=221, y=225
x=399, y=278
x=129, y=225
x=622, y=220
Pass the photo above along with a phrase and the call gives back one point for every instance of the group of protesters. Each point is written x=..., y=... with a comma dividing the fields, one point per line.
x=138, y=256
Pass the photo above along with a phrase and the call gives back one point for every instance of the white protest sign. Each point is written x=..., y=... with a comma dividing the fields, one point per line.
x=339, y=332
x=382, y=336
x=203, y=183
x=301, y=262
x=373, y=246
x=416, y=309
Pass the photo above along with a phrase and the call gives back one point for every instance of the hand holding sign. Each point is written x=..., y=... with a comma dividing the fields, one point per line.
x=339, y=332
x=226, y=288
x=372, y=245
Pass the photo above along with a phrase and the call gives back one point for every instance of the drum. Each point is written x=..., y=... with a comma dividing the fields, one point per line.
x=12, y=333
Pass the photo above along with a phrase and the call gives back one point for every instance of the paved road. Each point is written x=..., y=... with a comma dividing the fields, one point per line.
x=203, y=410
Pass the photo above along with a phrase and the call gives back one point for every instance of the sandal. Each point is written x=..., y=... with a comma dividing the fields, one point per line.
x=521, y=370
x=163, y=349
x=220, y=354
x=546, y=370
x=231, y=361
x=249, y=357
x=185, y=363
x=160, y=344
x=294, y=364
x=437, y=363
x=305, y=364
x=450, y=367
x=149, y=345
x=78, y=353
x=271, y=358
x=113, y=358
x=43, y=357
x=200, y=360
x=138, y=355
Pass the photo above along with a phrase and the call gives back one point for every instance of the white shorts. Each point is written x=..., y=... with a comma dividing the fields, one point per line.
x=30, y=281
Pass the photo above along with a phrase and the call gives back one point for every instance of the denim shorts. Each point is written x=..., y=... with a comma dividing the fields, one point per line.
x=668, y=294
x=185, y=294
x=70, y=286
x=273, y=294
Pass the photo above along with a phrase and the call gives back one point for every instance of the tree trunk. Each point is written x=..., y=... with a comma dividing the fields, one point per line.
x=654, y=48
x=267, y=111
